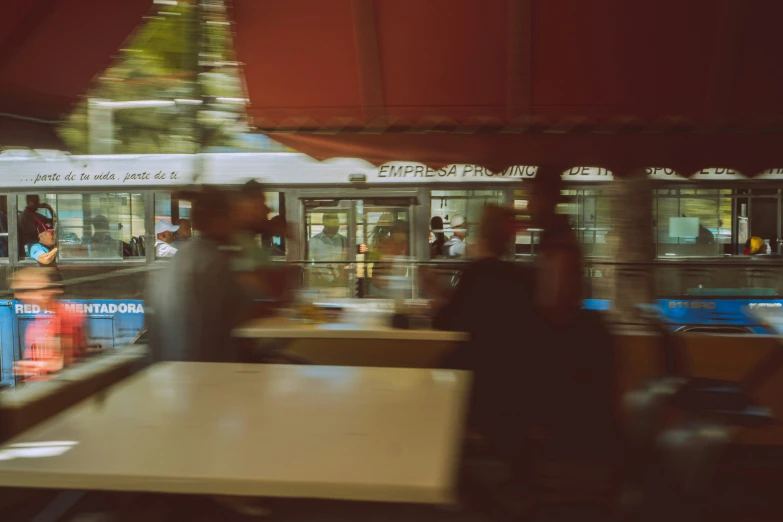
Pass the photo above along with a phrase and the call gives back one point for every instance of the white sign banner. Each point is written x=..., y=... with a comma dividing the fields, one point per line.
x=580, y=174
x=663, y=174
x=771, y=174
x=717, y=174
x=75, y=172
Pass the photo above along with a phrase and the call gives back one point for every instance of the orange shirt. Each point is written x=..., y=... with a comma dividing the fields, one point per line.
x=53, y=341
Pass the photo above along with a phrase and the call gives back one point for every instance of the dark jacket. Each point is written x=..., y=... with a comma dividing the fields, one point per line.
x=493, y=302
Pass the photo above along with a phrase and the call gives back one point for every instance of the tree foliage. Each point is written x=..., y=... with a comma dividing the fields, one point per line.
x=181, y=51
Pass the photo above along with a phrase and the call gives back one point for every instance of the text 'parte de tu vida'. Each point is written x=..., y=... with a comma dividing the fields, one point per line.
x=106, y=176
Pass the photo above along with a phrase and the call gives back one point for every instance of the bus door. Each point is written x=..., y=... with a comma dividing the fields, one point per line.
x=358, y=247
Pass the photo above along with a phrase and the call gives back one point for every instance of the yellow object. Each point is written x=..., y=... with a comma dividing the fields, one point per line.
x=755, y=244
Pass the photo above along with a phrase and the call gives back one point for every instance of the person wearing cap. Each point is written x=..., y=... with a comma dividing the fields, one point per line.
x=44, y=250
x=164, y=237
x=455, y=246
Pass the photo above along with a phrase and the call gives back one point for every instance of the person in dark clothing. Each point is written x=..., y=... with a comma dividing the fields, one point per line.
x=194, y=302
x=31, y=222
x=575, y=369
x=437, y=248
x=493, y=303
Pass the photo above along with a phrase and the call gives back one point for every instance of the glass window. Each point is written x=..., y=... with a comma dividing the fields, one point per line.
x=693, y=222
x=106, y=225
x=460, y=211
x=3, y=226
x=588, y=211
x=327, y=234
x=527, y=238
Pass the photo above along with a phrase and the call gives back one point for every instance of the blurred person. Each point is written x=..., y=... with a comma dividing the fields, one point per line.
x=390, y=278
x=277, y=230
x=574, y=363
x=164, y=239
x=194, y=301
x=31, y=221
x=55, y=339
x=265, y=280
x=438, y=244
x=455, y=246
x=250, y=218
x=493, y=302
x=184, y=233
x=559, y=260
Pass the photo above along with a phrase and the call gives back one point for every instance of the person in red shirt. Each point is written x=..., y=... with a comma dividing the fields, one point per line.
x=57, y=337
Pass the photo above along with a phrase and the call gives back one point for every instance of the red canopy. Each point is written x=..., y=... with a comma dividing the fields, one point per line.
x=611, y=83
x=50, y=50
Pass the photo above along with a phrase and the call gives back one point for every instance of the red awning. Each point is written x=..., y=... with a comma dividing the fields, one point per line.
x=50, y=50
x=608, y=83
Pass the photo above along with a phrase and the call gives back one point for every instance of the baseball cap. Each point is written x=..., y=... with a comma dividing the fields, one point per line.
x=44, y=227
x=165, y=226
x=457, y=221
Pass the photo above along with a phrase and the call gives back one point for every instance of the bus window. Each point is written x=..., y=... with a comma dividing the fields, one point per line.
x=88, y=226
x=526, y=238
x=461, y=208
x=3, y=227
x=693, y=222
x=177, y=212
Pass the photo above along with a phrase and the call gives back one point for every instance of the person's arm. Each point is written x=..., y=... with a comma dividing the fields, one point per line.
x=45, y=258
x=454, y=315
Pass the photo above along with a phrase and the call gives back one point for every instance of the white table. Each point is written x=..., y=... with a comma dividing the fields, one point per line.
x=380, y=434
x=284, y=328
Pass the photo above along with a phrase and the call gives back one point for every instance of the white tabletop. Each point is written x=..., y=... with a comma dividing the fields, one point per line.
x=284, y=328
x=381, y=434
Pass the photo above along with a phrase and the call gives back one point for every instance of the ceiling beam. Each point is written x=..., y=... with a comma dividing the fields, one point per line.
x=370, y=75
x=722, y=77
x=518, y=55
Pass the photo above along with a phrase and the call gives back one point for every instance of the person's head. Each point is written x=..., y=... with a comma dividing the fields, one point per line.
x=35, y=285
x=545, y=194
x=165, y=231
x=459, y=227
x=277, y=228
x=184, y=233
x=210, y=215
x=250, y=211
x=436, y=224
x=101, y=224
x=331, y=224
x=33, y=201
x=496, y=230
x=46, y=235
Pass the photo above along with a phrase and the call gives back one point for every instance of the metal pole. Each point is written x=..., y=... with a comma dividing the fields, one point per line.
x=100, y=127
